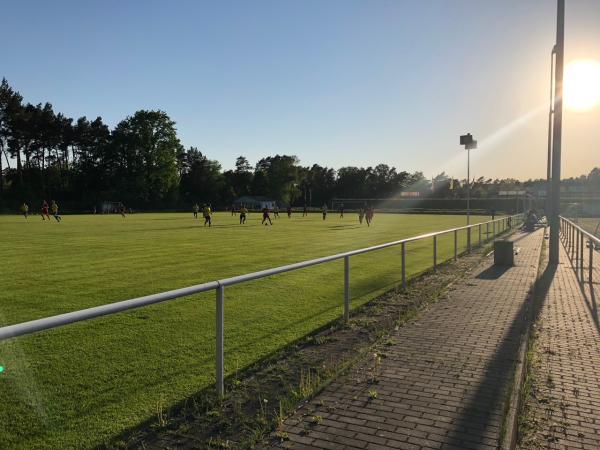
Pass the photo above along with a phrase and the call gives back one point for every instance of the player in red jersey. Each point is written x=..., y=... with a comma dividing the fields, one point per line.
x=266, y=216
x=45, y=208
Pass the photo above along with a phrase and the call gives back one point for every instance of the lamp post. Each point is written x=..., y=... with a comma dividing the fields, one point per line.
x=470, y=144
x=548, y=204
x=557, y=133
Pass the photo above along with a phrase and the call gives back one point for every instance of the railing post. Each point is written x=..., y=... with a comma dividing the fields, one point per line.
x=404, y=265
x=455, y=245
x=493, y=229
x=591, y=268
x=469, y=239
x=487, y=231
x=581, y=255
x=346, y=289
x=579, y=248
x=220, y=315
x=576, y=261
x=479, y=235
x=434, y=253
x=576, y=243
x=572, y=241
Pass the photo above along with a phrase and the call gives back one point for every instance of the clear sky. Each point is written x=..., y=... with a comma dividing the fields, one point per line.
x=336, y=82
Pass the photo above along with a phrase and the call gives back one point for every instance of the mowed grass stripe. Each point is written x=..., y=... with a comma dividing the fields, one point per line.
x=84, y=383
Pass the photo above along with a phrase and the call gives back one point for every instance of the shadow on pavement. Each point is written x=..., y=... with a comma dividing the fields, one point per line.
x=492, y=273
x=488, y=401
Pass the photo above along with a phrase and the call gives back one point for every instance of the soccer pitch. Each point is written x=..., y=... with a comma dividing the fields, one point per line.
x=79, y=385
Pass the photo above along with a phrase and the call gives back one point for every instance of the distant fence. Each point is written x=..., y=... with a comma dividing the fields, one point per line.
x=424, y=203
x=493, y=227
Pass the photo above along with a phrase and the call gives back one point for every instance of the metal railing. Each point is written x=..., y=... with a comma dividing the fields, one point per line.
x=575, y=239
x=498, y=226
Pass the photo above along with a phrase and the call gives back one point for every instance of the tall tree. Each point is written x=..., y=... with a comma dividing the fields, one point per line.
x=241, y=178
x=10, y=107
x=144, y=152
x=202, y=180
x=276, y=174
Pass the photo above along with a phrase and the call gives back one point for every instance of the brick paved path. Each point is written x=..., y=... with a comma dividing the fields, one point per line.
x=566, y=376
x=444, y=379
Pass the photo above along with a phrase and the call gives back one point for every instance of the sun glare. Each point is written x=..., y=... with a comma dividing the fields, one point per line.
x=582, y=84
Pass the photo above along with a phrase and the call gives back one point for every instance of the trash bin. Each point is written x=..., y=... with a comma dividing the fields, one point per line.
x=504, y=253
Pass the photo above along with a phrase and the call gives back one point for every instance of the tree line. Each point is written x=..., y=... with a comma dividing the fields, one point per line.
x=142, y=163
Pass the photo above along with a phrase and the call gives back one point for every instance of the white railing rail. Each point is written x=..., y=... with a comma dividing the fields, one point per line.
x=575, y=239
x=11, y=331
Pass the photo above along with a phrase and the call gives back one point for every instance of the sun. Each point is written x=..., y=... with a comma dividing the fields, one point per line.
x=582, y=84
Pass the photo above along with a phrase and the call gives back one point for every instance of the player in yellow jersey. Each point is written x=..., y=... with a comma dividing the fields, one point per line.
x=243, y=212
x=206, y=212
x=54, y=208
x=25, y=209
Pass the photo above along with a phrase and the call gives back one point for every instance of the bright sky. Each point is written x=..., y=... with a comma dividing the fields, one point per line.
x=336, y=82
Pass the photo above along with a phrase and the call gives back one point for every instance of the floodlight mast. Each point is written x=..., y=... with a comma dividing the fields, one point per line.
x=548, y=203
x=469, y=143
x=557, y=133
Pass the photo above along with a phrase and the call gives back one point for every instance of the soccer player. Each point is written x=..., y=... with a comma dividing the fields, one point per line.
x=54, y=207
x=324, y=210
x=342, y=211
x=243, y=212
x=289, y=211
x=276, y=211
x=233, y=210
x=196, y=208
x=122, y=209
x=305, y=211
x=266, y=217
x=25, y=209
x=369, y=215
x=45, y=208
x=361, y=215
x=206, y=212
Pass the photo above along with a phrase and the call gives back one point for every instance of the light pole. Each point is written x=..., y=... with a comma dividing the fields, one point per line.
x=470, y=144
x=557, y=132
x=548, y=204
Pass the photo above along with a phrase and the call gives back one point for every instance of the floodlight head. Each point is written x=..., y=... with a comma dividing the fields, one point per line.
x=466, y=139
x=471, y=145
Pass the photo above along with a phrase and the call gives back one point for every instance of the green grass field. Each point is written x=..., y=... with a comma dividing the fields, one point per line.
x=84, y=383
x=590, y=224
